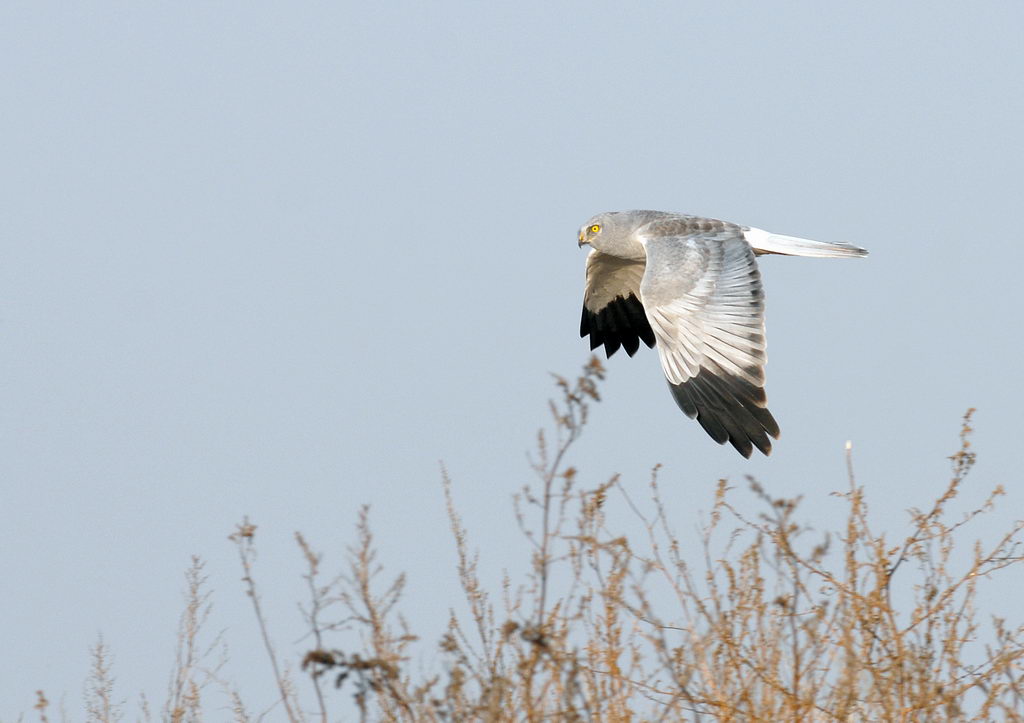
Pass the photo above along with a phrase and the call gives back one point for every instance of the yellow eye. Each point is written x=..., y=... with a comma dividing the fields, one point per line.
x=595, y=228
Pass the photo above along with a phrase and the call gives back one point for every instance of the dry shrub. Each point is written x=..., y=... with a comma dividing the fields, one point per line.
x=765, y=623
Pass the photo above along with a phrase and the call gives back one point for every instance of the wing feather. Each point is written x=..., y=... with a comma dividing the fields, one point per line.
x=612, y=312
x=702, y=294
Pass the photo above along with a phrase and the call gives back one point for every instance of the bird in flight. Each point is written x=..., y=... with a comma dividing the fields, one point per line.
x=690, y=285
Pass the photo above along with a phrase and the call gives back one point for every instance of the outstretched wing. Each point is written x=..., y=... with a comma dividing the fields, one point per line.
x=703, y=298
x=612, y=312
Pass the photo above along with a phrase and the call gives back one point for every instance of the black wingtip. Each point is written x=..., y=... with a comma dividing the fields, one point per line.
x=745, y=447
x=729, y=409
x=622, y=323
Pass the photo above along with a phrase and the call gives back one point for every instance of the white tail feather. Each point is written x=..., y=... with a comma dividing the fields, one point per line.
x=773, y=243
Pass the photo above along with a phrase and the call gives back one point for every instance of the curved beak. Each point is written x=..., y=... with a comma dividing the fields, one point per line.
x=582, y=240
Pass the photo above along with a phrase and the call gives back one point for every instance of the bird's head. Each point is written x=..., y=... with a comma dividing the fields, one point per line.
x=593, y=228
x=612, y=232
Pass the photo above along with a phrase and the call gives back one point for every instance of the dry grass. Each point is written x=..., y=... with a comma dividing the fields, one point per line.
x=769, y=622
x=100, y=704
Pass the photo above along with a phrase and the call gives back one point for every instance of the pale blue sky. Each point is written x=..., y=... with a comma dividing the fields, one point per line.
x=279, y=259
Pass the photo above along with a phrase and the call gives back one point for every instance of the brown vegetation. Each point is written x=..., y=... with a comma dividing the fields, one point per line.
x=765, y=624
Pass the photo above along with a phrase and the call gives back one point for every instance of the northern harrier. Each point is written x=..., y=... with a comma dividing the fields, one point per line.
x=691, y=286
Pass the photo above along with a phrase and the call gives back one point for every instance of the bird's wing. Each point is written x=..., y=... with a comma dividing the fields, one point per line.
x=702, y=295
x=612, y=312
